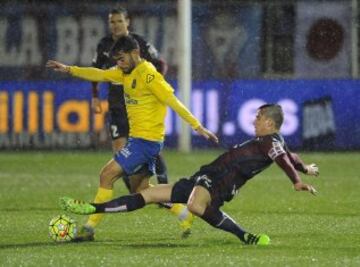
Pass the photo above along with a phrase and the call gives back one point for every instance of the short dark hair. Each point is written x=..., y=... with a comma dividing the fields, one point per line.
x=119, y=10
x=274, y=112
x=124, y=44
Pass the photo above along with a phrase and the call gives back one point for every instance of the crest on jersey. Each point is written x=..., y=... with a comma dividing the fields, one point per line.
x=149, y=78
x=133, y=84
x=277, y=149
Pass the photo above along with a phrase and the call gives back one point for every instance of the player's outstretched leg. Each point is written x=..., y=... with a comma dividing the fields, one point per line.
x=121, y=204
x=221, y=220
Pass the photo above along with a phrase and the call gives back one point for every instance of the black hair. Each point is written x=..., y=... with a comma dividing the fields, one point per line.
x=274, y=112
x=124, y=44
x=119, y=10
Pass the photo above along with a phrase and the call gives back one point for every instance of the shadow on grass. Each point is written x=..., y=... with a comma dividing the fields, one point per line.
x=112, y=243
x=133, y=243
x=31, y=245
x=156, y=245
x=165, y=244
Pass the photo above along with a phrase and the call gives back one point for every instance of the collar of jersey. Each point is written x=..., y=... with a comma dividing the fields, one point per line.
x=142, y=62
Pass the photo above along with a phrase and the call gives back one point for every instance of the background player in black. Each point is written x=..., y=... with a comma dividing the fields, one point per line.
x=119, y=128
x=206, y=191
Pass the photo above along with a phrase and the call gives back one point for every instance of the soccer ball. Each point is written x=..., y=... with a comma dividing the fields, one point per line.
x=62, y=228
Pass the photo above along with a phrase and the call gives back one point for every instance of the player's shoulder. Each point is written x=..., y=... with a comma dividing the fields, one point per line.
x=106, y=40
x=139, y=38
x=146, y=67
x=271, y=138
x=147, y=72
x=273, y=145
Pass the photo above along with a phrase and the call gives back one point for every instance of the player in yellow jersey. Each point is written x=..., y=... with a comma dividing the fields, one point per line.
x=147, y=96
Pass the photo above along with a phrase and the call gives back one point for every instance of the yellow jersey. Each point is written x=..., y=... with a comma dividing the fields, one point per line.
x=147, y=96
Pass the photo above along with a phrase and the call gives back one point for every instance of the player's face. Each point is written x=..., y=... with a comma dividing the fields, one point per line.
x=261, y=124
x=125, y=61
x=118, y=24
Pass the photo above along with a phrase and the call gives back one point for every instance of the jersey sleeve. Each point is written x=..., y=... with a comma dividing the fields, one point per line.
x=165, y=93
x=277, y=151
x=285, y=164
x=272, y=147
x=114, y=74
x=296, y=161
x=99, y=59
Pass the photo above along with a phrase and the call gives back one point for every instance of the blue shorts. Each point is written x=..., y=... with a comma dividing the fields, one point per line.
x=138, y=153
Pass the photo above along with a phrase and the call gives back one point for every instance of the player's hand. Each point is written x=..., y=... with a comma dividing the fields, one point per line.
x=312, y=169
x=312, y=190
x=57, y=66
x=305, y=187
x=207, y=134
x=96, y=105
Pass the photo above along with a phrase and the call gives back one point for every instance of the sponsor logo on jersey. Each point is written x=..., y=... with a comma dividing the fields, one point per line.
x=129, y=100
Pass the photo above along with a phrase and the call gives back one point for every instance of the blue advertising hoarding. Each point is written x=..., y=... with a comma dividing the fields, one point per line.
x=57, y=114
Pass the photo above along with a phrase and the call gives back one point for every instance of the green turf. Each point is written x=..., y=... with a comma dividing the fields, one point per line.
x=305, y=230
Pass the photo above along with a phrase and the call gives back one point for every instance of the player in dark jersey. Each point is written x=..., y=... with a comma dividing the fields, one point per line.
x=207, y=190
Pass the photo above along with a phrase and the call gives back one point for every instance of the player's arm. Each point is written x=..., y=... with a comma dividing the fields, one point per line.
x=278, y=153
x=311, y=169
x=95, y=100
x=165, y=93
x=88, y=73
x=97, y=75
x=284, y=162
x=98, y=61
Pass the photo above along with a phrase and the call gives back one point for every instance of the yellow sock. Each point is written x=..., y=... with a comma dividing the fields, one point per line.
x=102, y=195
x=180, y=211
